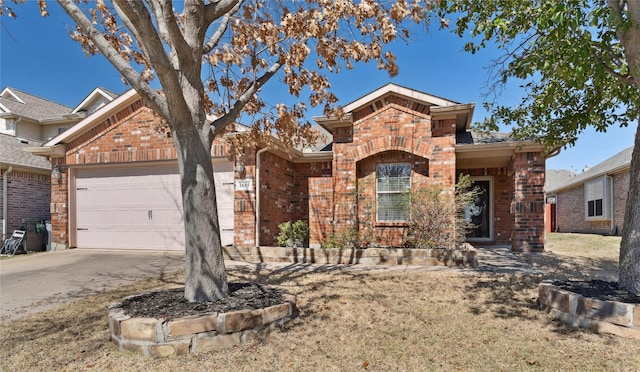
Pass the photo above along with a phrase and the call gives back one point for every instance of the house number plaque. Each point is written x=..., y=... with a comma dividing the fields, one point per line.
x=244, y=185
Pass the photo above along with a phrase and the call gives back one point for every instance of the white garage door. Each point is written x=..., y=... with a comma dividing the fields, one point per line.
x=141, y=207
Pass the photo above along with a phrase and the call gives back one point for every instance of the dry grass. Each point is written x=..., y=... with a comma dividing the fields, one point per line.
x=349, y=320
x=579, y=256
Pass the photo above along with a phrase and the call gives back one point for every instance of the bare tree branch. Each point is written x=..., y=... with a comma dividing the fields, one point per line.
x=221, y=123
x=217, y=9
x=127, y=23
x=224, y=23
x=133, y=77
x=168, y=75
x=164, y=32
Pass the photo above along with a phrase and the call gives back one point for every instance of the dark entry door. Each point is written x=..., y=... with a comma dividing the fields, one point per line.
x=480, y=212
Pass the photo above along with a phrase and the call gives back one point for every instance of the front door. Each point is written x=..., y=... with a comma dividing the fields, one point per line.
x=481, y=212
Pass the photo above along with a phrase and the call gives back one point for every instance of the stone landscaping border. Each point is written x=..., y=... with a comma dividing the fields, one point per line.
x=613, y=317
x=370, y=256
x=152, y=337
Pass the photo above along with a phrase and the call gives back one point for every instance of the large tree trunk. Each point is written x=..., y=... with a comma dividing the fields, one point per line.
x=206, y=279
x=629, y=276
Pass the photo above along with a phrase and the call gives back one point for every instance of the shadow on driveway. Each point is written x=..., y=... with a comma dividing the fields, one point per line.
x=36, y=282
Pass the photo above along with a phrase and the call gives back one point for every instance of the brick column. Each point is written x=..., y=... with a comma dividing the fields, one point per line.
x=527, y=206
x=60, y=206
x=244, y=204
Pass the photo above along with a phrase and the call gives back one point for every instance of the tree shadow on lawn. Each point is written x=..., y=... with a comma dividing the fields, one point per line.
x=515, y=295
x=296, y=279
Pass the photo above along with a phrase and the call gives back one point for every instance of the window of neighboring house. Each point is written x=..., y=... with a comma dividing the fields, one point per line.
x=60, y=130
x=8, y=126
x=597, y=199
x=393, y=184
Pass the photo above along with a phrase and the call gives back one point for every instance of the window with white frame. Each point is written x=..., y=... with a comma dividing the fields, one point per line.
x=393, y=184
x=597, y=198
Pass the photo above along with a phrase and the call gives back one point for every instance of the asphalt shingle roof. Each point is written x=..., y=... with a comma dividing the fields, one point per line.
x=34, y=107
x=12, y=153
x=621, y=159
x=555, y=177
x=475, y=137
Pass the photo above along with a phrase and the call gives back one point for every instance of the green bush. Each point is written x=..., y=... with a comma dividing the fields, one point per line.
x=293, y=235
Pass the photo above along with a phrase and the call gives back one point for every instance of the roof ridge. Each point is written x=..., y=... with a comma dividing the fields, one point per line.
x=38, y=97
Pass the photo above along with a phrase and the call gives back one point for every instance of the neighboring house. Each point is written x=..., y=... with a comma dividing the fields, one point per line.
x=553, y=178
x=27, y=121
x=30, y=117
x=26, y=189
x=119, y=182
x=594, y=200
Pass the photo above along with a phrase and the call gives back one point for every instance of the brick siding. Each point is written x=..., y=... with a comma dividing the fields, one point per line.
x=390, y=133
x=570, y=209
x=28, y=197
x=620, y=194
x=528, y=202
x=276, y=196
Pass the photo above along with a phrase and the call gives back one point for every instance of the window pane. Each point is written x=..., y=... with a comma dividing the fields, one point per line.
x=591, y=208
x=599, y=207
x=393, y=207
x=393, y=186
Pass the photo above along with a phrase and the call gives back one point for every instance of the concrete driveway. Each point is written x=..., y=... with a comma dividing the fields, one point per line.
x=36, y=282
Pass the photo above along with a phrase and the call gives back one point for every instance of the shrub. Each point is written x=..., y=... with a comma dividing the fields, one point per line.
x=351, y=238
x=293, y=235
x=438, y=218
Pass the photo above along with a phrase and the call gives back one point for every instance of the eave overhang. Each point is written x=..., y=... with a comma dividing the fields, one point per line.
x=492, y=155
x=55, y=151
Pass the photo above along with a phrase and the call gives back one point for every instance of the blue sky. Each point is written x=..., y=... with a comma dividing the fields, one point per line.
x=37, y=56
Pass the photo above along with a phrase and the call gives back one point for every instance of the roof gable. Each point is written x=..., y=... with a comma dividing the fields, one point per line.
x=95, y=118
x=382, y=95
x=94, y=100
x=419, y=102
x=32, y=107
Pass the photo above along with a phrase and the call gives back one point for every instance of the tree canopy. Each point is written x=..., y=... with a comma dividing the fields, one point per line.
x=578, y=62
x=567, y=57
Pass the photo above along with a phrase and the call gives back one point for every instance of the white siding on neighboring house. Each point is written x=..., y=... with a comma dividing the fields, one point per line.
x=29, y=130
x=50, y=131
x=96, y=104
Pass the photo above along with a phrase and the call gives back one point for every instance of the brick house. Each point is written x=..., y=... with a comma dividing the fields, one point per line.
x=594, y=200
x=119, y=185
x=26, y=121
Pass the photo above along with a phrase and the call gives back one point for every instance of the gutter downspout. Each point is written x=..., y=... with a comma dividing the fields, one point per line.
x=5, y=192
x=609, y=191
x=258, y=153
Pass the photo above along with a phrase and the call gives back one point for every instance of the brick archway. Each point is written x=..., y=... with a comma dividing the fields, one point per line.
x=392, y=143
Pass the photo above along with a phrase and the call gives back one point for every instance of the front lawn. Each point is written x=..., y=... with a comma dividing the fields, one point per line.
x=350, y=320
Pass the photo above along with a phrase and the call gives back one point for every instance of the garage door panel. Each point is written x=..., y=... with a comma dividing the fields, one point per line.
x=141, y=208
x=224, y=182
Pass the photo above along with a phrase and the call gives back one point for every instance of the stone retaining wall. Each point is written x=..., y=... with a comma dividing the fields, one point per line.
x=371, y=256
x=618, y=318
x=153, y=337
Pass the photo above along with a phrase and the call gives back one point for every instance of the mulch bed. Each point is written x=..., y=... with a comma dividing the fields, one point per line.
x=598, y=289
x=171, y=304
